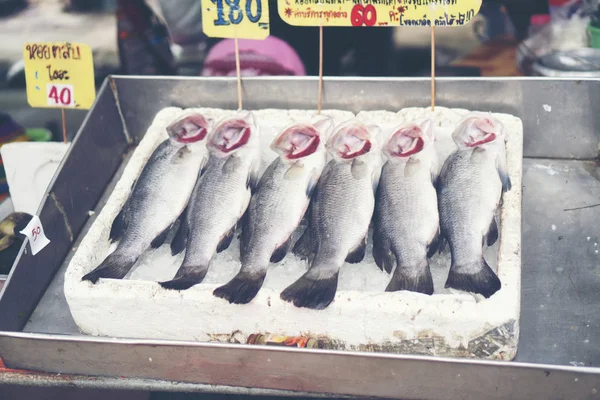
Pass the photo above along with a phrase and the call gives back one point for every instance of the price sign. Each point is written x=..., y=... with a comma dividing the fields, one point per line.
x=242, y=19
x=378, y=12
x=59, y=74
x=35, y=233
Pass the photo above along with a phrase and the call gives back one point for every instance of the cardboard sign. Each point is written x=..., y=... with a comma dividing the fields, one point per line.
x=242, y=19
x=59, y=74
x=35, y=233
x=378, y=13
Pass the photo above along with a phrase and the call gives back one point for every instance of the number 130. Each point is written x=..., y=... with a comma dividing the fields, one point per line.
x=235, y=12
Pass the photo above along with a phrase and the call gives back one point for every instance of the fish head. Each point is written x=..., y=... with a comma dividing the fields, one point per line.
x=477, y=130
x=351, y=140
x=190, y=129
x=297, y=141
x=232, y=134
x=410, y=139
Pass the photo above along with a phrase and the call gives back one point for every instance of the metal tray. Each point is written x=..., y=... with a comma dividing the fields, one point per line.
x=559, y=347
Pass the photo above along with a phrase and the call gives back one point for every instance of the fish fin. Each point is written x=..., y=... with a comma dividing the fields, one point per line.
x=357, y=254
x=253, y=177
x=435, y=244
x=186, y=277
x=181, y=153
x=311, y=293
x=115, y=266
x=312, y=184
x=358, y=169
x=179, y=241
x=381, y=253
x=295, y=171
x=506, y=183
x=160, y=239
x=303, y=247
x=281, y=251
x=119, y=225
x=504, y=177
x=484, y=281
x=412, y=167
x=226, y=240
x=242, y=288
x=246, y=233
x=231, y=164
x=441, y=243
x=492, y=235
x=405, y=279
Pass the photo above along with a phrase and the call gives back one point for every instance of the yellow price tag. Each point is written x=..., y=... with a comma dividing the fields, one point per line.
x=59, y=74
x=378, y=12
x=242, y=19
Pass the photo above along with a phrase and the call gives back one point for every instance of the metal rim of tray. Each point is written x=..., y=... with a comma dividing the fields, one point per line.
x=466, y=371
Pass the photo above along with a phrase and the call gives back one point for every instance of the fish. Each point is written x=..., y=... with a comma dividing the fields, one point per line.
x=279, y=204
x=406, y=219
x=470, y=188
x=220, y=198
x=158, y=196
x=340, y=215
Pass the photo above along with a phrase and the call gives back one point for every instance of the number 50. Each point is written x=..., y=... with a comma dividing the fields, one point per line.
x=235, y=12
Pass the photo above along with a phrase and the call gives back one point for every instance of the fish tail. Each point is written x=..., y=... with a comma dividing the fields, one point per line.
x=115, y=266
x=412, y=279
x=308, y=292
x=242, y=288
x=186, y=277
x=483, y=280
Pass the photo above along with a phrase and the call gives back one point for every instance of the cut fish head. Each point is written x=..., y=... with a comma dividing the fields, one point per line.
x=190, y=129
x=232, y=134
x=410, y=139
x=297, y=141
x=351, y=140
x=477, y=129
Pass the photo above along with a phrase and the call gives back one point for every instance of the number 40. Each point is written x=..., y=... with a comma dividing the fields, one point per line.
x=235, y=13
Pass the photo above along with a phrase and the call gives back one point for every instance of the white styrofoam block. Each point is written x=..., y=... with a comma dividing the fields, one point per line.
x=30, y=166
x=362, y=316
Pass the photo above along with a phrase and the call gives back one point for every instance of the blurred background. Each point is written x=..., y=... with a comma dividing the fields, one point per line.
x=164, y=37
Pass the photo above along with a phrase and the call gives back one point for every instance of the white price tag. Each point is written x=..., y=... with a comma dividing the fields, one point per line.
x=59, y=95
x=35, y=232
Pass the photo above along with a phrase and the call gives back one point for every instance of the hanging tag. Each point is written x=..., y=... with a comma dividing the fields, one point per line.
x=59, y=74
x=386, y=13
x=242, y=19
x=35, y=233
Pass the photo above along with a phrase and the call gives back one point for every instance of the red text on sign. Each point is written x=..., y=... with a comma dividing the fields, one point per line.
x=363, y=15
x=60, y=95
x=35, y=232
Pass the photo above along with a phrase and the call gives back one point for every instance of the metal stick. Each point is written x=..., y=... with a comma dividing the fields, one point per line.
x=432, y=67
x=239, y=77
x=64, y=124
x=320, y=69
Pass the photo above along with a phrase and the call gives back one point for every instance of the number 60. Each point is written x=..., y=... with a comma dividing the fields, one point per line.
x=235, y=13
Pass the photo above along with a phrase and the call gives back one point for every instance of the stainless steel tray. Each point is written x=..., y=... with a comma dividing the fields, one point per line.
x=559, y=347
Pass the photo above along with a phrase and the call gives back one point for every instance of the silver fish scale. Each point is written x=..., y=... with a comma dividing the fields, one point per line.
x=219, y=199
x=340, y=217
x=274, y=213
x=407, y=213
x=159, y=196
x=469, y=193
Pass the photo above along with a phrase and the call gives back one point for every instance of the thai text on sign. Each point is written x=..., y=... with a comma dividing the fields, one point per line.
x=242, y=19
x=59, y=74
x=378, y=12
